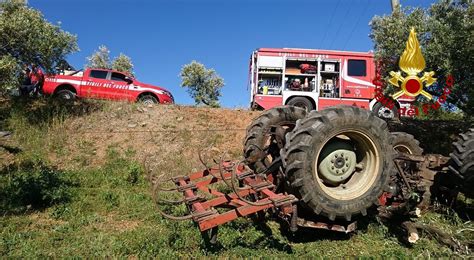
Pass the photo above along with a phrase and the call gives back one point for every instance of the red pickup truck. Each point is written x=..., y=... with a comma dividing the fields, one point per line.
x=104, y=84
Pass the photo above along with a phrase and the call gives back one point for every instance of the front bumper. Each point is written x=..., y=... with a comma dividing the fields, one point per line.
x=166, y=99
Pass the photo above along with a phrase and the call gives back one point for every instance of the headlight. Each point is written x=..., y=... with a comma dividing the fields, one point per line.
x=168, y=94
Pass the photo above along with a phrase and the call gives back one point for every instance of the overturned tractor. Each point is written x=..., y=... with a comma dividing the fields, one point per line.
x=323, y=169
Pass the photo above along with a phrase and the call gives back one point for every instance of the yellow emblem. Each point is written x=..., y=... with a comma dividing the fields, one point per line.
x=412, y=63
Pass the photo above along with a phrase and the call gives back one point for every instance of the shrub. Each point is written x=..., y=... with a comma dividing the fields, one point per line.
x=32, y=185
x=123, y=169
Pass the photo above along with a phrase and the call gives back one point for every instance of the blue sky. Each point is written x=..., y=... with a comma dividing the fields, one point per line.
x=162, y=36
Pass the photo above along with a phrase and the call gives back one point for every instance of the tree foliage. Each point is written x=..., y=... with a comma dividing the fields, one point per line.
x=26, y=37
x=123, y=63
x=204, y=85
x=100, y=59
x=446, y=34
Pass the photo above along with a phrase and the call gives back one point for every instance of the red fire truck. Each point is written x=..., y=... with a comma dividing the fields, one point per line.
x=315, y=79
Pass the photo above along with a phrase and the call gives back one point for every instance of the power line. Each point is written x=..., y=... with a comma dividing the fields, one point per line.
x=330, y=22
x=356, y=24
x=339, y=28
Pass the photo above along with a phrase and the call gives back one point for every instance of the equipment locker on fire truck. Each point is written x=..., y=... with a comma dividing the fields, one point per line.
x=313, y=79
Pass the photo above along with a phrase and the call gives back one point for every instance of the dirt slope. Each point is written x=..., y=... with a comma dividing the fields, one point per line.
x=160, y=134
x=163, y=135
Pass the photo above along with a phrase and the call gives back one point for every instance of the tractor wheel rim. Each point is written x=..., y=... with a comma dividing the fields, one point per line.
x=303, y=106
x=402, y=149
x=361, y=174
x=385, y=112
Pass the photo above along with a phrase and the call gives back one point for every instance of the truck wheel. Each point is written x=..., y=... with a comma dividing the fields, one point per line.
x=266, y=135
x=405, y=143
x=339, y=161
x=148, y=100
x=384, y=112
x=66, y=95
x=462, y=161
x=301, y=102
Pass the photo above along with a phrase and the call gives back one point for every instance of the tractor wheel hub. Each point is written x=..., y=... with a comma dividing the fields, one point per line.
x=338, y=163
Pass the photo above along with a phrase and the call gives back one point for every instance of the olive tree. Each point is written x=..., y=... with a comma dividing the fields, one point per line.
x=100, y=59
x=27, y=37
x=204, y=85
x=123, y=63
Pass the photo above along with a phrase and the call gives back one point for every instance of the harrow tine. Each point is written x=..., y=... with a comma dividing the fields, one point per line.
x=157, y=201
x=168, y=216
x=236, y=189
x=167, y=189
x=181, y=201
x=175, y=202
x=202, y=161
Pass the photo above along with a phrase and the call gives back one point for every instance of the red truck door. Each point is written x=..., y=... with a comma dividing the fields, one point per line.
x=92, y=84
x=357, y=78
x=119, y=86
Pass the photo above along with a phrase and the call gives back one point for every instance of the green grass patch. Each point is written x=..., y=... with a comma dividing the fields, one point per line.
x=106, y=210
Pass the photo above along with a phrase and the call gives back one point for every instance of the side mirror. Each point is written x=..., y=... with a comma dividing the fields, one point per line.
x=128, y=80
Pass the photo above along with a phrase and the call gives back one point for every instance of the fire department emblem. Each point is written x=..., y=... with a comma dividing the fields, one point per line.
x=412, y=63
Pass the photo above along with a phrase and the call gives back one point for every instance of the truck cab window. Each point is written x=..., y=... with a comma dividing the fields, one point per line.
x=98, y=74
x=357, y=68
x=118, y=77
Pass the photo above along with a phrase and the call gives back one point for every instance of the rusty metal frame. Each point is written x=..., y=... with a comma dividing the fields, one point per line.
x=203, y=211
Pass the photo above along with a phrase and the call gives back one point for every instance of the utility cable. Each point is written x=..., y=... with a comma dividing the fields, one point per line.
x=330, y=22
x=356, y=24
x=339, y=28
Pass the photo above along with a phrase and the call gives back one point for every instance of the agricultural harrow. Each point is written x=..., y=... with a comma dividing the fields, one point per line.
x=322, y=170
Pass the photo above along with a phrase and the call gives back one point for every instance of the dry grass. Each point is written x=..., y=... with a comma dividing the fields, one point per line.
x=158, y=133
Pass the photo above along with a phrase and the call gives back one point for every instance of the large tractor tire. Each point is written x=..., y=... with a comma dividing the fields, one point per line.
x=405, y=143
x=338, y=161
x=266, y=135
x=462, y=162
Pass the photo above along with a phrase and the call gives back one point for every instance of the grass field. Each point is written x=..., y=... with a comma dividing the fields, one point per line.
x=71, y=186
